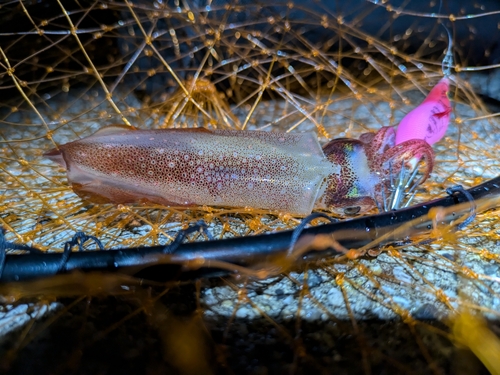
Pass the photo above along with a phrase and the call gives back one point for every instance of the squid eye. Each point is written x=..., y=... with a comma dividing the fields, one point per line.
x=351, y=211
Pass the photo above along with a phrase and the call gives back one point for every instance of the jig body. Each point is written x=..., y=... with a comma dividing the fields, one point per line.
x=430, y=119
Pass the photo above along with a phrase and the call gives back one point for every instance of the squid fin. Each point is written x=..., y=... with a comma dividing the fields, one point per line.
x=113, y=129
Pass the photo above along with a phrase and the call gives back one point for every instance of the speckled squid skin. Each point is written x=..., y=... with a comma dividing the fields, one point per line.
x=354, y=187
x=278, y=171
x=364, y=180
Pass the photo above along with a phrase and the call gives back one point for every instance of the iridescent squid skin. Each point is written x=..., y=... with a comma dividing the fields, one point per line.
x=277, y=171
x=366, y=166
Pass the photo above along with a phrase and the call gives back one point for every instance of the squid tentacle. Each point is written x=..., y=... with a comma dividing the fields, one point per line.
x=382, y=141
x=407, y=151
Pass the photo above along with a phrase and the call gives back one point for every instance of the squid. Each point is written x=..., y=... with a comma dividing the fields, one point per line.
x=283, y=172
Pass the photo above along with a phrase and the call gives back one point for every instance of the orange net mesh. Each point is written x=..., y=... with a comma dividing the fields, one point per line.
x=69, y=68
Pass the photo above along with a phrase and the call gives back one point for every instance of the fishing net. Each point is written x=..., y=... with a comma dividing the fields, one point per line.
x=69, y=68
